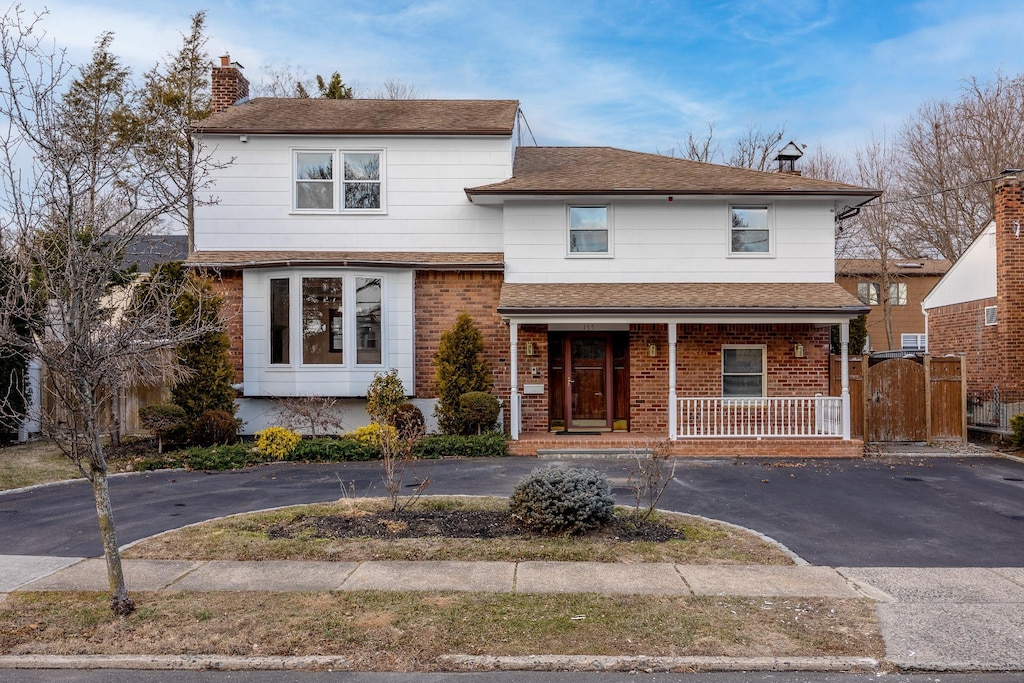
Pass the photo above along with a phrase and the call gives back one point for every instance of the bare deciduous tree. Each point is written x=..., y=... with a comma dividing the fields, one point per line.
x=757, y=147
x=79, y=183
x=395, y=89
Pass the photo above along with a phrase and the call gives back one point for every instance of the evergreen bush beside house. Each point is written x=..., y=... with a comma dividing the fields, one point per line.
x=479, y=411
x=385, y=393
x=459, y=369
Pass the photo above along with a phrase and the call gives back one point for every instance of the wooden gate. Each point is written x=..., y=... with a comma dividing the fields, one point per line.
x=902, y=399
x=895, y=394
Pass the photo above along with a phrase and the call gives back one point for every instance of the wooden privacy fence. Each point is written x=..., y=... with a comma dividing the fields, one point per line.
x=905, y=399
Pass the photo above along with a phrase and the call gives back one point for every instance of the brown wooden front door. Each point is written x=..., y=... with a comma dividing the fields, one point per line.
x=589, y=378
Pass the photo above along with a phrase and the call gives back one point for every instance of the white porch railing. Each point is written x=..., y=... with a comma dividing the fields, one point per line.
x=818, y=416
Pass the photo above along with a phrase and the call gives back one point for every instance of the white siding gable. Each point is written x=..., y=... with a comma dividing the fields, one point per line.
x=424, y=181
x=685, y=240
x=971, y=278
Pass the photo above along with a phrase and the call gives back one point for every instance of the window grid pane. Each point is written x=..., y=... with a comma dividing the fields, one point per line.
x=742, y=372
x=322, y=320
x=314, y=180
x=750, y=232
x=588, y=229
x=280, y=314
x=362, y=180
x=368, y=321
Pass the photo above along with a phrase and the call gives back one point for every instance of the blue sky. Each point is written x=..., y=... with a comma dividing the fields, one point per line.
x=634, y=74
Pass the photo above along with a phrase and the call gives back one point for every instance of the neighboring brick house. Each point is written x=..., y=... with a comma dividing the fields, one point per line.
x=909, y=280
x=977, y=309
x=621, y=295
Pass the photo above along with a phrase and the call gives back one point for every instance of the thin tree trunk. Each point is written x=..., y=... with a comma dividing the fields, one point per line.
x=120, y=603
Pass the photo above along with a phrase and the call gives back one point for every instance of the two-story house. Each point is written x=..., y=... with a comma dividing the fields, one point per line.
x=620, y=293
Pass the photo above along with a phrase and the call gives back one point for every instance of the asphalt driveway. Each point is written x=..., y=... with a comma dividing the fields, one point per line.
x=893, y=512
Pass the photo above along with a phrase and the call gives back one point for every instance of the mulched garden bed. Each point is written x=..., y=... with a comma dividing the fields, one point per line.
x=451, y=524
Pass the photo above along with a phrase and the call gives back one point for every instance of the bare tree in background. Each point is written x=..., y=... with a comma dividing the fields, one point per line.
x=282, y=81
x=950, y=151
x=757, y=147
x=702, y=147
x=395, y=89
x=78, y=183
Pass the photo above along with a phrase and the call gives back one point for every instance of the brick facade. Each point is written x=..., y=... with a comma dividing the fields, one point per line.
x=228, y=85
x=993, y=354
x=960, y=329
x=698, y=367
x=439, y=298
x=1009, y=202
x=228, y=284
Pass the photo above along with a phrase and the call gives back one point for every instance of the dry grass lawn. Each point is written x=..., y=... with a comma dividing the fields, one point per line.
x=409, y=631
x=245, y=537
x=37, y=462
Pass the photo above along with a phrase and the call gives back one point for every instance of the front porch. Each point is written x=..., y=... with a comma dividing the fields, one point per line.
x=618, y=444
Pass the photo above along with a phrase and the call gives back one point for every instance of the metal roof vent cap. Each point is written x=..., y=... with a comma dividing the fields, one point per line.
x=787, y=158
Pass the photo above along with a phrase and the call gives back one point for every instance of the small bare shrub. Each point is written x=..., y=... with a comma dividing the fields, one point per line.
x=215, y=427
x=649, y=478
x=317, y=414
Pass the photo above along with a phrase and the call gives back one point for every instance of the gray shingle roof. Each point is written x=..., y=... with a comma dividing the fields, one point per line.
x=403, y=259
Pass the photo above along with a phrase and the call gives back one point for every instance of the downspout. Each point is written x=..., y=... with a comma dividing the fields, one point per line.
x=513, y=335
x=673, y=407
x=844, y=345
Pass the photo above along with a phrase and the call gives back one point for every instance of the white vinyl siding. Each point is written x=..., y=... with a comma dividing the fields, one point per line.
x=422, y=189
x=655, y=240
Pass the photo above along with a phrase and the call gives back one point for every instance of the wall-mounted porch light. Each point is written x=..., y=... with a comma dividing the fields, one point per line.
x=529, y=348
x=798, y=350
x=652, y=350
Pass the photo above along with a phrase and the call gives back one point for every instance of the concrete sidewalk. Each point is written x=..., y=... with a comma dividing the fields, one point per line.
x=931, y=619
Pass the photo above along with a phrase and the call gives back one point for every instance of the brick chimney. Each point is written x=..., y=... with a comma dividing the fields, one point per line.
x=1009, y=210
x=228, y=85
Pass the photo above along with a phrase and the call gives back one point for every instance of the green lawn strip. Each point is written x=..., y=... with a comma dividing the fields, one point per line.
x=409, y=631
x=245, y=537
x=29, y=464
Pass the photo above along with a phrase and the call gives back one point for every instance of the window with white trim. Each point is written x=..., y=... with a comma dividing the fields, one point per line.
x=743, y=371
x=333, y=318
x=318, y=188
x=589, y=231
x=913, y=342
x=750, y=231
x=990, y=315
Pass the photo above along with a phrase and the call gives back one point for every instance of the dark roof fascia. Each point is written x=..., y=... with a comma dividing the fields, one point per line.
x=654, y=311
x=837, y=192
x=347, y=263
x=481, y=132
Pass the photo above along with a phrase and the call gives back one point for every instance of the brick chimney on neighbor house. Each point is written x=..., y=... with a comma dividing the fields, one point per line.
x=228, y=85
x=1009, y=209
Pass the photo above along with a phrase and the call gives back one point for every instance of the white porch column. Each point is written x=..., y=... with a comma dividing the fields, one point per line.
x=673, y=408
x=844, y=344
x=514, y=420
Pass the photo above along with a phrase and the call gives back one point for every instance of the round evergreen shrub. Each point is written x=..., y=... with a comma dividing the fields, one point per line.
x=408, y=420
x=479, y=411
x=215, y=427
x=563, y=500
x=385, y=393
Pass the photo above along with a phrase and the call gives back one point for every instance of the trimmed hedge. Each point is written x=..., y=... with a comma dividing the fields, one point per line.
x=333, y=450
x=487, y=445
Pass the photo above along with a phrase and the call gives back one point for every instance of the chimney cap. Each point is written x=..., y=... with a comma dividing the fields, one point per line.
x=791, y=152
x=225, y=61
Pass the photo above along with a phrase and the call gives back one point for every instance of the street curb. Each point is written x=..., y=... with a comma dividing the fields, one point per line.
x=465, y=663
x=645, y=664
x=175, y=662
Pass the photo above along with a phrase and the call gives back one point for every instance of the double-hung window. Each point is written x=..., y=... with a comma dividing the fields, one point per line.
x=750, y=230
x=589, y=231
x=335, y=320
x=743, y=371
x=897, y=293
x=318, y=187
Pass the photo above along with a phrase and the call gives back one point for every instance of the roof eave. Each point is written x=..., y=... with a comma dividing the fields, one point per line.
x=852, y=311
x=868, y=195
x=475, y=132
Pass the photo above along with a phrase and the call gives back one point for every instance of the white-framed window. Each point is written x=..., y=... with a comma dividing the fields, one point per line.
x=589, y=230
x=332, y=318
x=869, y=293
x=913, y=342
x=990, y=315
x=897, y=293
x=750, y=230
x=319, y=188
x=743, y=370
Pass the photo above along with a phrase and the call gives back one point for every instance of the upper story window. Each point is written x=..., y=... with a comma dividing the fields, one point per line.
x=914, y=342
x=869, y=293
x=750, y=230
x=590, y=230
x=898, y=293
x=317, y=187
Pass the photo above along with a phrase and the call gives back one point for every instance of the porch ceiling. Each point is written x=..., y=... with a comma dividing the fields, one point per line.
x=751, y=302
